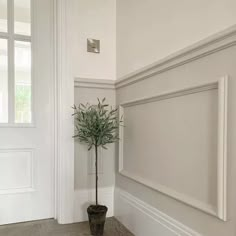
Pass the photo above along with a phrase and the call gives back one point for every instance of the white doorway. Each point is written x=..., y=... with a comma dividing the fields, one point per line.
x=27, y=108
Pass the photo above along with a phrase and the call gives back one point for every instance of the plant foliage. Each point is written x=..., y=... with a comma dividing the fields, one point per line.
x=96, y=125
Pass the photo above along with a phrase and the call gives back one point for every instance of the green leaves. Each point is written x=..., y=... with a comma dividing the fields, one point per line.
x=96, y=125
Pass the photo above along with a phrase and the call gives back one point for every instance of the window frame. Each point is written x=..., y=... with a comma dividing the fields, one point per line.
x=11, y=38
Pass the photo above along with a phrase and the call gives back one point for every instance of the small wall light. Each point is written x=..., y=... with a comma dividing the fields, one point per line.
x=93, y=45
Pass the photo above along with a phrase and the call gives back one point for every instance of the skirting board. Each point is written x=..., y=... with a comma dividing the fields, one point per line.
x=83, y=198
x=142, y=219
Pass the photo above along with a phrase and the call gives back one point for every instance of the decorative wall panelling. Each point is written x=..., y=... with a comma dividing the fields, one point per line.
x=148, y=220
x=221, y=159
x=17, y=171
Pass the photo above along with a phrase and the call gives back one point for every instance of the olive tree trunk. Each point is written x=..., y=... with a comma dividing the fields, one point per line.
x=96, y=167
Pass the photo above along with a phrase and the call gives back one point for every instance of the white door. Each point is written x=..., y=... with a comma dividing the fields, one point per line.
x=26, y=111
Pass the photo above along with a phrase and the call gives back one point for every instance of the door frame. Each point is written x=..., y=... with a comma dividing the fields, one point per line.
x=63, y=121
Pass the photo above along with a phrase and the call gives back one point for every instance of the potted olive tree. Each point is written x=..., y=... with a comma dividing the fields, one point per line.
x=96, y=126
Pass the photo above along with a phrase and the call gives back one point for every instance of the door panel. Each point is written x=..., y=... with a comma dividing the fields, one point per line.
x=27, y=151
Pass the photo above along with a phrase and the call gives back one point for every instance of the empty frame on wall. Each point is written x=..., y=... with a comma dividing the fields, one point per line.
x=176, y=143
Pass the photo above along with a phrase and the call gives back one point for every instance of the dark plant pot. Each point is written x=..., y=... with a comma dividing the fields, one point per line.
x=97, y=218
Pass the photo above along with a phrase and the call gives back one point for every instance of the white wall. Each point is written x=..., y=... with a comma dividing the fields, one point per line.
x=146, y=32
x=150, y=30
x=208, y=68
x=94, y=19
x=84, y=162
x=84, y=178
x=84, y=19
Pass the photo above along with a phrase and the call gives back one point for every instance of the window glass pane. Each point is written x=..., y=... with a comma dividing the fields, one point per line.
x=22, y=17
x=3, y=15
x=22, y=82
x=3, y=81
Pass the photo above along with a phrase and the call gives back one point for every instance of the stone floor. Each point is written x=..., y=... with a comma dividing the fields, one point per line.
x=51, y=228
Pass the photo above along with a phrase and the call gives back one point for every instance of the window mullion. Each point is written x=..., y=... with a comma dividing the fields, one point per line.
x=22, y=38
x=3, y=35
x=11, y=69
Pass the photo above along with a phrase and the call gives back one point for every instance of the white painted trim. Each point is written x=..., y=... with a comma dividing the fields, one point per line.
x=94, y=83
x=53, y=97
x=3, y=34
x=16, y=191
x=172, y=94
x=84, y=198
x=56, y=91
x=11, y=62
x=26, y=189
x=220, y=41
x=220, y=209
x=142, y=219
x=64, y=145
x=222, y=148
x=34, y=51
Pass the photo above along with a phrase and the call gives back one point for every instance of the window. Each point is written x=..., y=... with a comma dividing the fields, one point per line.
x=15, y=62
